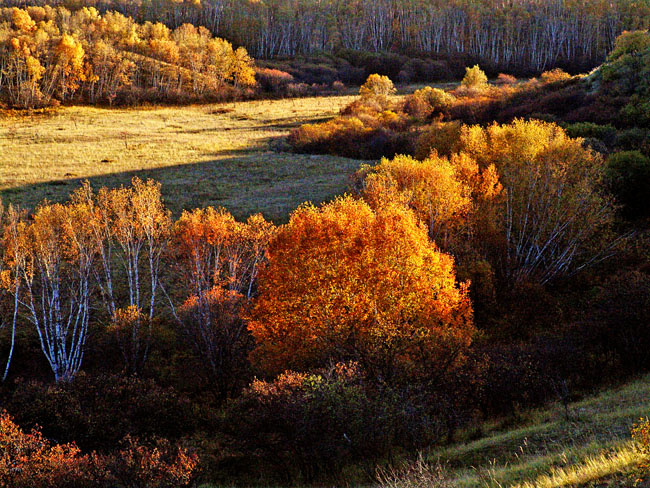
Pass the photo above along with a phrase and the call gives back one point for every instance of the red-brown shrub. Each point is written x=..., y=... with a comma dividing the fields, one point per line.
x=505, y=79
x=273, y=80
x=159, y=465
x=29, y=460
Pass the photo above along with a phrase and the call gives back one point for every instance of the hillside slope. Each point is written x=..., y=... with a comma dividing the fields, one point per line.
x=588, y=444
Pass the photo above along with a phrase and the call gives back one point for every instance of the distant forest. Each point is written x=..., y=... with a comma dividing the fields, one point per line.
x=521, y=35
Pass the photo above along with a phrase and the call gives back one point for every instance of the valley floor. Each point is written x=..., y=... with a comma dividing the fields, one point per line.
x=230, y=155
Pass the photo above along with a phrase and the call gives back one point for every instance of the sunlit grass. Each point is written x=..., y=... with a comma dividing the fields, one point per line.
x=227, y=154
x=548, y=450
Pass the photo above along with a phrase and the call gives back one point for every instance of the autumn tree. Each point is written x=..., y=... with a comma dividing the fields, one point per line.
x=344, y=281
x=130, y=228
x=430, y=187
x=13, y=260
x=451, y=195
x=55, y=275
x=555, y=213
x=219, y=260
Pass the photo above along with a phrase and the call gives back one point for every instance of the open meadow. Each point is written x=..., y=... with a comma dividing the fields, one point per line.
x=230, y=155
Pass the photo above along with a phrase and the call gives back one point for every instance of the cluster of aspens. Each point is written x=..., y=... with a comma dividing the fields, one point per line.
x=50, y=55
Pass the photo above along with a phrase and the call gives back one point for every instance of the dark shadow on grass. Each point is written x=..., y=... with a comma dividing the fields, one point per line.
x=244, y=182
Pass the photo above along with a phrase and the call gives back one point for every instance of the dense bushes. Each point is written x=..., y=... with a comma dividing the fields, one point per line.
x=98, y=411
x=311, y=424
x=370, y=135
x=628, y=175
x=427, y=102
x=28, y=460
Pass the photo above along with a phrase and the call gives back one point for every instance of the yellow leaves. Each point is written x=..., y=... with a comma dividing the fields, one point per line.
x=377, y=86
x=244, y=73
x=34, y=68
x=431, y=187
x=22, y=21
x=475, y=79
x=124, y=319
x=135, y=213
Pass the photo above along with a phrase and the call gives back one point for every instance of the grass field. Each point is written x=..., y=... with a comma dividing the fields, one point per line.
x=592, y=447
x=231, y=155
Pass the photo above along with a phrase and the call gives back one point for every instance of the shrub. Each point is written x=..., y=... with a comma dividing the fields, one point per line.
x=628, y=174
x=367, y=135
x=641, y=435
x=159, y=465
x=556, y=75
x=505, y=79
x=306, y=426
x=273, y=80
x=31, y=461
x=97, y=412
x=634, y=138
x=475, y=79
x=377, y=86
x=606, y=133
x=338, y=86
x=427, y=101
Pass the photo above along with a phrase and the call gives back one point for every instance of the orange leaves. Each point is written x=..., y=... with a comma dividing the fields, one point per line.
x=430, y=187
x=31, y=460
x=159, y=465
x=216, y=250
x=343, y=281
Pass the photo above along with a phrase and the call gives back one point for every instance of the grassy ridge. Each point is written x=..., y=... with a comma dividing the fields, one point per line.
x=548, y=449
x=231, y=155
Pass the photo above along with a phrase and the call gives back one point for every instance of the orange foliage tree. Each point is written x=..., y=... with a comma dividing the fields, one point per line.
x=344, y=281
x=453, y=196
x=219, y=261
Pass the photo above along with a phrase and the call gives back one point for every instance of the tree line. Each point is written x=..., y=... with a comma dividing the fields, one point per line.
x=50, y=55
x=531, y=34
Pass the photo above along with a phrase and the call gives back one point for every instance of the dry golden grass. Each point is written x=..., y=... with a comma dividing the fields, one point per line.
x=231, y=154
